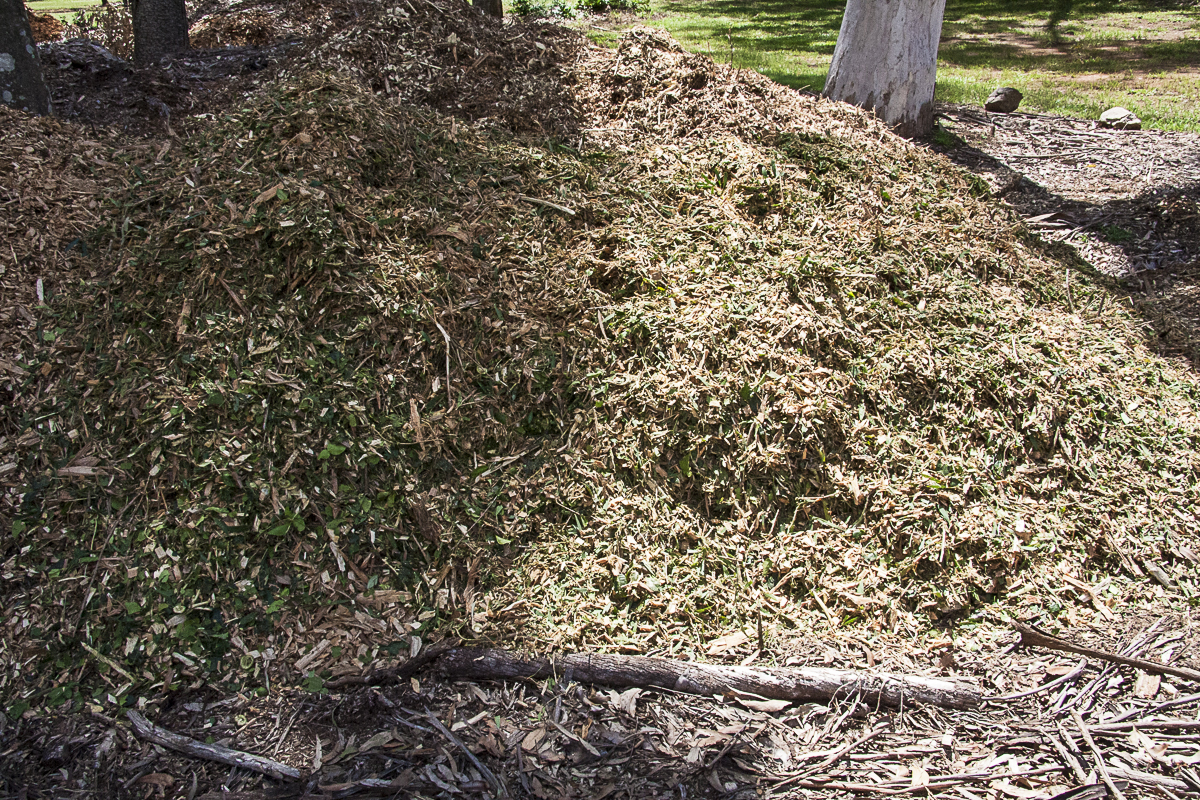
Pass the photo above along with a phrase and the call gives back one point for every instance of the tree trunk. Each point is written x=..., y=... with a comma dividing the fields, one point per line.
x=777, y=683
x=493, y=8
x=160, y=28
x=886, y=61
x=21, y=84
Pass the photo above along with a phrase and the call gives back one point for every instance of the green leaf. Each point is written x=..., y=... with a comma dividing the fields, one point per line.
x=685, y=466
x=18, y=528
x=502, y=540
x=281, y=194
x=132, y=607
x=280, y=530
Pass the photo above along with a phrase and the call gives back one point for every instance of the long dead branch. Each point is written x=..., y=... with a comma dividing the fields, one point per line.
x=210, y=752
x=798, y=684
x=1032, y=636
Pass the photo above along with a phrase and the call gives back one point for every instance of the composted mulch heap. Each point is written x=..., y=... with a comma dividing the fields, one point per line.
x=454, y=328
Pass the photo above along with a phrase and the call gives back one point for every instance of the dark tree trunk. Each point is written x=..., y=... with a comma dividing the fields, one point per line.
x=21, y=84
x=493, y=8
x=160, y=28
x=886, y=61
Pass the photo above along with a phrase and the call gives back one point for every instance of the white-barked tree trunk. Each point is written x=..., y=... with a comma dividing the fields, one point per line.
x=886, y=61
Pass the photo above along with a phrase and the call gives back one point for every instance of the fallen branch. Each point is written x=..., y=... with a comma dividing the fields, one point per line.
x=400, y=673
x=210, y=752
x=796, y=684
x=1033, y=637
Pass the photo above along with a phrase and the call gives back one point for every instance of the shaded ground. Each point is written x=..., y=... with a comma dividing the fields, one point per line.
x=566, y=740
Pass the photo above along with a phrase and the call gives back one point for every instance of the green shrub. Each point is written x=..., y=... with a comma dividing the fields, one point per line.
x=536, y=9
x=601, y=6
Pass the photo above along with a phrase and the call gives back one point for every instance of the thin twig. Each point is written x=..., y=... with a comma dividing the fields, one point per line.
x=446, y=336
x=1179, y=701
x=234, y=296
x=547, y=204
x=1087, y=737
x=832, y=759
x=210, y=752
x=1039, y=689
x=1068, y=759
x=114, y=666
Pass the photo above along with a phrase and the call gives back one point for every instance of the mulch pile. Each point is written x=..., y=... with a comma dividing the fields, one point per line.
x=45, y=27
x=453, y=328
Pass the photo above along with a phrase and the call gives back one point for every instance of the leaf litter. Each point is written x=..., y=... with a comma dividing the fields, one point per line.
x=623, y=351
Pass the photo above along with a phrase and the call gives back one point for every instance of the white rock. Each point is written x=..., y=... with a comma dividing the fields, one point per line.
x=1120, y=118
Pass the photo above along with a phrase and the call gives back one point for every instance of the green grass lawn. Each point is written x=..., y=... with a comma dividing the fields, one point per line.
x=63, y=9
x=1072, y=58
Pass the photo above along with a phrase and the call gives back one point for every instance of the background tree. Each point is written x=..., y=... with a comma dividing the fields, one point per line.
x=21, y=84
x=493, y=8
x=886, y=61
x=160, y=28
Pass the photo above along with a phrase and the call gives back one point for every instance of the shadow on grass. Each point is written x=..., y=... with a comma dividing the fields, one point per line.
x=760, y=30
x=1081, y=58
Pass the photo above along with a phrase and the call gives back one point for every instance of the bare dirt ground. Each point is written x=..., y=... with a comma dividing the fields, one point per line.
x=1126, y=202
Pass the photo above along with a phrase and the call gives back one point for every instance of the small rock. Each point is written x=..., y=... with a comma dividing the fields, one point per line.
x=1120, y=118
x=1004, y=100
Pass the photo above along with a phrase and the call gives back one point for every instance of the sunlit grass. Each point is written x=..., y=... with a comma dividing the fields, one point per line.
x=1069, y=58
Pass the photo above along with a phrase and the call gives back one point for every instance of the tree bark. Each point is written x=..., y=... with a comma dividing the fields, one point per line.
x=160, y=28
x=21, y=83
x=886, y=61
x=775, y=683
x=493, y=8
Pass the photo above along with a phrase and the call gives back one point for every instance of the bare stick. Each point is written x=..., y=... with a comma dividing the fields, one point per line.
x=234, y=297
x=1133, y=712
x=488, y=775
x=446, y=336
x=1087, y=737
x=547, y=204
x=114, y=666
x=1032, y=636
x=210, y=752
